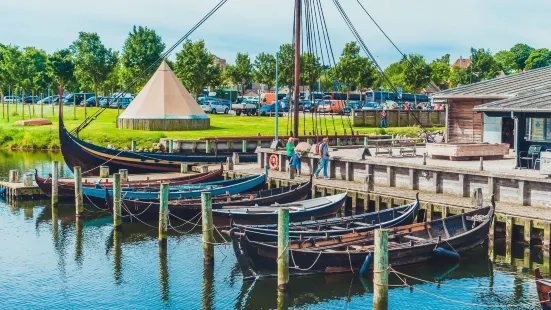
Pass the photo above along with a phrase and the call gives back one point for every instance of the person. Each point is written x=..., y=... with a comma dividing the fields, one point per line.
x=383, y=119
x=290, y=149
x=295, y=162
x=324, y=161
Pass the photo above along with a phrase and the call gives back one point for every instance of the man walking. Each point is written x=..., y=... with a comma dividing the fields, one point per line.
x=324, y=161
x=383, y=119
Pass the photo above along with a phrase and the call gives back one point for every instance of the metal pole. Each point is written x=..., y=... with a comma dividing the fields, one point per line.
x=277, y=101
x=283, y=250
x=163, y=216
x=380, y=270
x=298, y=10
x=79, y=201
x=208, y=233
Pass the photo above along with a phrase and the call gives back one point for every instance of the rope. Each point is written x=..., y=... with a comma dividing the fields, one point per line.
x=103, y=163
x=133, y=216
x=301, y=269
x=181, y=232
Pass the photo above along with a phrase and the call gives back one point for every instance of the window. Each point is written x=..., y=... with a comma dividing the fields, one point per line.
x=538, y=129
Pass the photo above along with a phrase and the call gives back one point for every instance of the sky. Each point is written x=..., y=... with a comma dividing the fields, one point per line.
x=428, y=27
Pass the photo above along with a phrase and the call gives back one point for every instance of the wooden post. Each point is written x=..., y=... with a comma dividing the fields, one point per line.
x=28, y=179
x=235, y=157
x=133, y=146
x=283, y=250
x=207, y=146
x=424, y=159
x=380, y=270
x=229, y=164
x=104, y=171
x=124, y=175
x=55, y=175
x=244, y=146
x=481, y=167
x=366, y=141
x=208, y=233
x=291, y=173
x=79, y=199
x=14, y=176
x=41, y=106
x=184, y=168
x=478, y=198
x=117, y=211
x=163, y=216
x=170, y=146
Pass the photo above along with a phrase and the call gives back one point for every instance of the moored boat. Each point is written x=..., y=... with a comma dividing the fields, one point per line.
x=399, y=216
x=189, y=208
x=317, y=208
x=543, y=287
x=447, y=237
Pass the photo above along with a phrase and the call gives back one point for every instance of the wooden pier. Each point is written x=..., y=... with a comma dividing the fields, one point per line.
x=17, y=191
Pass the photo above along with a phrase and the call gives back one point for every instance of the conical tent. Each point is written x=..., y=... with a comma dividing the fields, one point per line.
x=164, y=104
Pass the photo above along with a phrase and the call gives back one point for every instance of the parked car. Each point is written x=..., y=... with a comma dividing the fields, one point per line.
x=49, y=100
x=213, y=107
x=121, y=103
x=11, y=99
x=104, y=102
x=76, y=98
x=31, y=99
x=91, y=102
x=270, y=109
x=371, y=106
x=352, y=105
x=332, y=106
x=202, y=99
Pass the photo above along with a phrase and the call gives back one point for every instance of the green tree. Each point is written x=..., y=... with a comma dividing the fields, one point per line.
x=417, y=74
x=440, y=72
x=192, y=62
x=12, y=57
x=395, y=74
x=538, y=58
x=62, y=68
x=142, y=49
x=505, y=60
x=264, y=69
x=286, y=65
x=310, y=70
x=93, y=61
x=483, y=65
x=115, y=80
x=241, y=73
x=37, y=71
x=521, y=52
x=459, y=76
x=444, y=59
x=354, y=70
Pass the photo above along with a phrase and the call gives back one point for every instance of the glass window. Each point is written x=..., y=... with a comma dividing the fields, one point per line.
x=538, y=129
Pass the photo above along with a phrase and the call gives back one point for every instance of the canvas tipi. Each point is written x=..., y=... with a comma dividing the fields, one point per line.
x=164, y=104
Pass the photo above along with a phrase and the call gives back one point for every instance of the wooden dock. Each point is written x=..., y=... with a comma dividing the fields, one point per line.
x=17, y=191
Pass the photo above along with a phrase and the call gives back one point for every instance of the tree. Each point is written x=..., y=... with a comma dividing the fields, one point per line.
x=418, y=73
x=12, y=56
x=62, y=67
x=354, y=70
x=241, y=73
x=93, y=61
x=310, y=70
x=142, y=49
x=538, y=58
x=286, y=65
x=38, y=75
x=521, y=52
x=444, y=59
x=505, y=60
x=483, y=65
x=115, y=80
x=395, y=74
x=192, y=62
x=459, y=76
x=440, y=72
x=264, y=69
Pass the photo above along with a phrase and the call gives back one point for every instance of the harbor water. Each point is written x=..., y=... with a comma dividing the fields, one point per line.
x=51, y=260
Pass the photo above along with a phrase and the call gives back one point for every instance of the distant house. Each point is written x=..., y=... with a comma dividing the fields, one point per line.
x=221, y=62
x=462, y=63
x=430, y=89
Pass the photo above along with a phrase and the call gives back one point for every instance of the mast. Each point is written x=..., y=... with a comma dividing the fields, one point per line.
x=298, y=9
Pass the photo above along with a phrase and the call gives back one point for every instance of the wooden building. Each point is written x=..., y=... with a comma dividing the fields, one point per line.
x=465, y=125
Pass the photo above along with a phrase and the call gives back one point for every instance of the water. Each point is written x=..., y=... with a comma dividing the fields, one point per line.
x=71, y=264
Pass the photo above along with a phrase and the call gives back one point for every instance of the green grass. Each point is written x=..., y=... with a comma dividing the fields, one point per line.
x=103, y=131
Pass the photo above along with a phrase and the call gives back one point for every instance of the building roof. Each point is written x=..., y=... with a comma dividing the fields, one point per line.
x=462, y=63
x=501, y=87
x=164, y=97
x=535, y=100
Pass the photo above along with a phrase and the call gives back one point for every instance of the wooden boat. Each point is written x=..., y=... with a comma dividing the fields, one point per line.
x=408, y=244
x=189, y=208
x=317, y=208
x=229, y=187
x=543, y=287
x=67, y=189
x=399, y=216
x=90, y=157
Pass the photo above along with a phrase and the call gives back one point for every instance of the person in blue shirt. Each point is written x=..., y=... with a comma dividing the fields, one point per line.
x=324, y=161
x=295, y=162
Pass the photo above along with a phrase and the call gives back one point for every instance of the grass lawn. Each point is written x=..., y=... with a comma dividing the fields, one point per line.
x=103, y=131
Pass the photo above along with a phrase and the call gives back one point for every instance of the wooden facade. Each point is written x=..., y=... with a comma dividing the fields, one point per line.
x=398, y=118
x=463, y=124
x=163, y=124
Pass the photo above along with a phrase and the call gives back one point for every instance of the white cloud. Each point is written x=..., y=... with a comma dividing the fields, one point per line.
x=429, y=27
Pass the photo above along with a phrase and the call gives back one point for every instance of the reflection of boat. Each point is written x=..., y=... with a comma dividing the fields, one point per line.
x=407, y=245
x=231, y=187
x=90, y=157
x=398, y=216
x=2, y=191
x=317, y=208
x=189, y=208
x=67, y=189
x=544, y=289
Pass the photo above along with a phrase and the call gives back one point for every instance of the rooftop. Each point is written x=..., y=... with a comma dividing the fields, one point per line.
x=501, y=87
x=534, y=100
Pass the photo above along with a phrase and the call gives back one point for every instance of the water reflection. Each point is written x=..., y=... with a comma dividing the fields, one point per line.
x=79, y=230
x=163, y=273
x=117, y=256
x=207, y=295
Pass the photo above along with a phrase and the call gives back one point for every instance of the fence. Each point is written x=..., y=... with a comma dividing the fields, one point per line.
x=399, y=118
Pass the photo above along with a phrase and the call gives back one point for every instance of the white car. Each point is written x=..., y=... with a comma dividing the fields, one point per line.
x=11, y=99
x=213, y=107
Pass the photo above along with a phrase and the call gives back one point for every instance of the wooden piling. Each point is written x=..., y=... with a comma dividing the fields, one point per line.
x=424, y=159
x=55, y=176
x=133, y=146
x=28, y=179
x=481, y=166
x=283, y=250
x=380, y=270
x=184, y=168
x=229, y=164
x=79, y=199
x=244, y=146
x=170, y=146
x=207, y=225
x=235, y=158
x=117, y=211
x=207, y=146
x=124, y=175
x=366, y=141
x=291, y=172
x=477, y=198
x=104, y=171
x=163, y=216
x=14, y=176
